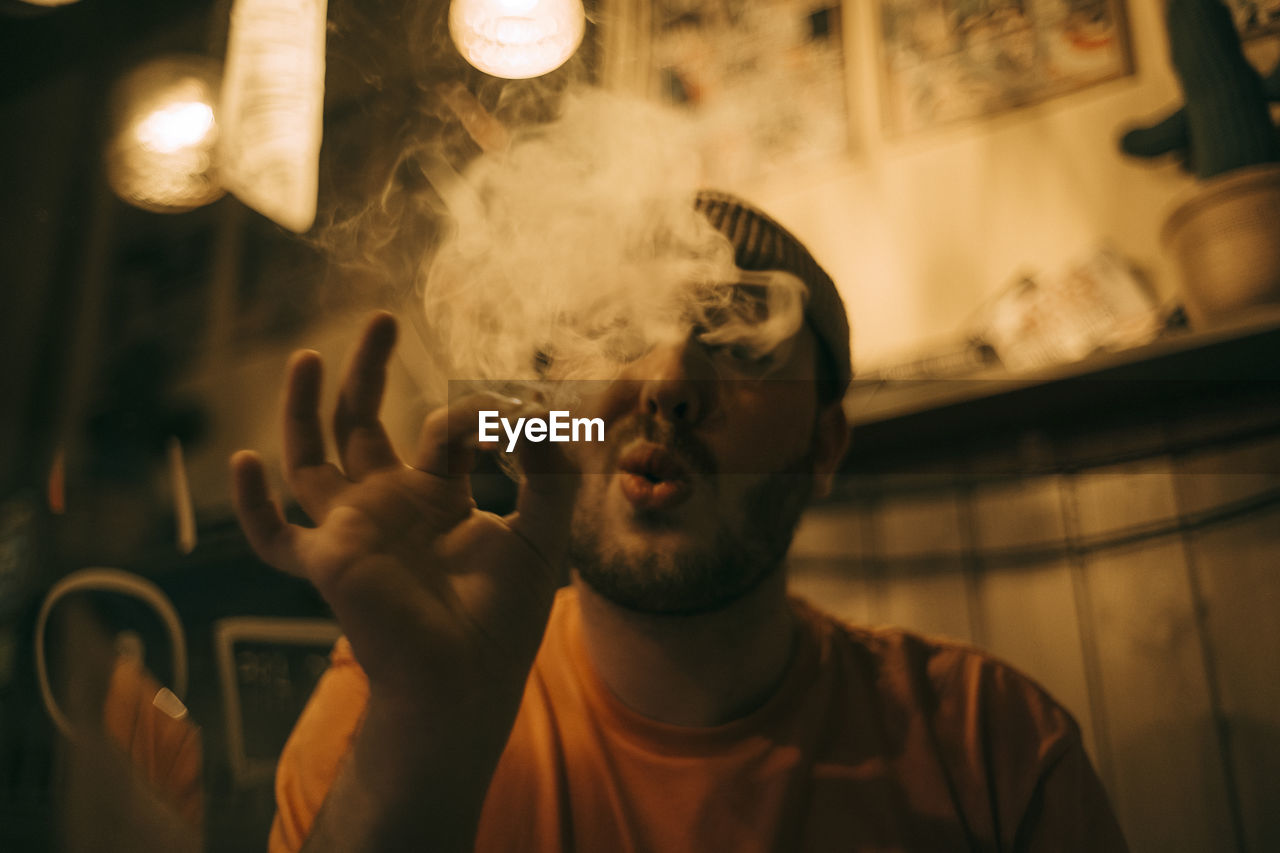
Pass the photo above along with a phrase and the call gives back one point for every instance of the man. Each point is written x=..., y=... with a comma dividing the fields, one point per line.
x=671, y=697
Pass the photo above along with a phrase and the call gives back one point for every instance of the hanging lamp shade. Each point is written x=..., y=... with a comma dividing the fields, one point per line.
x=517, y=39
x=160, y=156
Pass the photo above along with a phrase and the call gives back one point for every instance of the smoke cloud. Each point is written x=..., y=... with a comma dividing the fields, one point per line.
x=575, y=248
x=547, y=225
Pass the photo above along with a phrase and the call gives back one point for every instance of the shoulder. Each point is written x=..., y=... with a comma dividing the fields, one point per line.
x=942, y=668
x=982, y=710
x=1012, y=755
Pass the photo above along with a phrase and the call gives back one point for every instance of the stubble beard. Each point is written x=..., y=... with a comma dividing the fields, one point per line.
x=742, y=552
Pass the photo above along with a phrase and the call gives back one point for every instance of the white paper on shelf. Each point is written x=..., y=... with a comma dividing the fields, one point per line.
x=272, y=107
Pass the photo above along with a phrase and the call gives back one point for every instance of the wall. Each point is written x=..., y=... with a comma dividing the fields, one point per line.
x=918, y=232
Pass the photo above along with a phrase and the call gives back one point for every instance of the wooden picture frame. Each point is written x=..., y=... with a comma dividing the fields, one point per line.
x=764, y=82
x=947, y=61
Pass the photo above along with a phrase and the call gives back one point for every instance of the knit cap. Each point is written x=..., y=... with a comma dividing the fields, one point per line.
x=760, y=244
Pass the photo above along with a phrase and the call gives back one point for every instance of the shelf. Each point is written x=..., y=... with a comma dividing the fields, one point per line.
x=1173, y=375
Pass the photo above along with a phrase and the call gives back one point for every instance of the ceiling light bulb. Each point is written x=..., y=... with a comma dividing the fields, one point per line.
x=161, y=154
x=516, y=39
x=179, y=125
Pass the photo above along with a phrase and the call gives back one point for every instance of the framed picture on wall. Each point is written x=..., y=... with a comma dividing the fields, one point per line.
x=946, y=61
x=763, y=81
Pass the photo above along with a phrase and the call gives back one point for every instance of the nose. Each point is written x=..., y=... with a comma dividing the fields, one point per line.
x=677, y=383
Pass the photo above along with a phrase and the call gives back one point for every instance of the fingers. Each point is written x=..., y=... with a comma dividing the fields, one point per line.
x=447, y=441
x=314, y=480
x=363, y=445
x=271, y=538
x=303, y=437
x=447, y=446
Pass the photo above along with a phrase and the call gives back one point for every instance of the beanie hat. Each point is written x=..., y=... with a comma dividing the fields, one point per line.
x=759, y=244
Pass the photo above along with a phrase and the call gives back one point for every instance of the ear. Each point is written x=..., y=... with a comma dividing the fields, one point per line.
x=830, y=440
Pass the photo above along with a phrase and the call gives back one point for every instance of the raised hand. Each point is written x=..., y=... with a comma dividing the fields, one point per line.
x=444, y=605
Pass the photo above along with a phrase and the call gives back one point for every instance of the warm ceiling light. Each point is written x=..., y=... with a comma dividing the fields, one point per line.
x=182, y=124
x=49, y=3
x=517, y=38
x=161, y=154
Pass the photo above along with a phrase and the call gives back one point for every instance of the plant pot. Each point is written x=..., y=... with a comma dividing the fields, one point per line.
x=1225, y=241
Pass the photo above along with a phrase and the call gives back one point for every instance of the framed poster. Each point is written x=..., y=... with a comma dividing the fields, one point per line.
x=763, y=80
x=945, y=61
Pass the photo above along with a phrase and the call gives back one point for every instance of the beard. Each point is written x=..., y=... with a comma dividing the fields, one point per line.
x=745, y=548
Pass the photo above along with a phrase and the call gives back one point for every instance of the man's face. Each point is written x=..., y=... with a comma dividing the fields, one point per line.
x=709, y=459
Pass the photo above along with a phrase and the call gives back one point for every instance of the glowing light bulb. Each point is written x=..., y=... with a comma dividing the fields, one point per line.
x=161, y=154
x=516, y=39
x=176, y=126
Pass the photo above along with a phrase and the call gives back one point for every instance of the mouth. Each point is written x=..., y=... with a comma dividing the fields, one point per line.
x=653, y=478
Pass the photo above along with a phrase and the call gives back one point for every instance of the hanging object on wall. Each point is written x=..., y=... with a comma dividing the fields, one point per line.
x=944, y=63
x=517, y=39
x=764, y=84
x=160, y=156
x=272, y=108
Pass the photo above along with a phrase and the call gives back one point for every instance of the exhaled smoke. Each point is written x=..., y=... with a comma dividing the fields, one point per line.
x=548, y=226
x=575, y=247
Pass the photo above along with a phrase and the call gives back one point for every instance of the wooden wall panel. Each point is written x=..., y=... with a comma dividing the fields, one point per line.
x=833, y=531
x=934, y=604
x=1212, y=479
x=836, y=588
x=1237, y=571
x=1028, y=613
x=1018, y=513
x=826, y=563
x=1118, y=497
x=1168, y=780
x=919, y=582
x=1161, y=744
x=1238, y=566
x=1031, y=621
x=915, y=525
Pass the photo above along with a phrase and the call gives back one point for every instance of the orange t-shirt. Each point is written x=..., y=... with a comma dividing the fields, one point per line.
x=875, y=740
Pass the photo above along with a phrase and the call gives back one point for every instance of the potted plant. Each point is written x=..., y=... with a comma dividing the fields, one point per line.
x=1225, y=238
